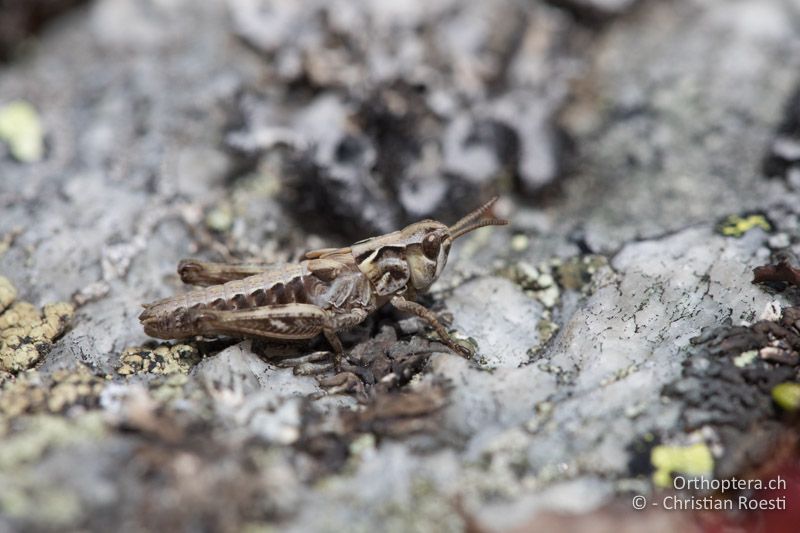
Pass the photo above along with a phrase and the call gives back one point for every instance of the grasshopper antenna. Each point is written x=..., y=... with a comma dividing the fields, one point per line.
x=475, y=220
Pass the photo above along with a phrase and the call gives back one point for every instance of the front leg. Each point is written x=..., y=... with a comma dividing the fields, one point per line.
x=426, y=314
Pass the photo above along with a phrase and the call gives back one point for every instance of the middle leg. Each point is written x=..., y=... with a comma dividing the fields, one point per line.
x=426, y=314
x=338, y=322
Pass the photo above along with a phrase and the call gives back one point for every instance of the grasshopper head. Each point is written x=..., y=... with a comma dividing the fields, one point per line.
x=415, y=255
x=428, y=243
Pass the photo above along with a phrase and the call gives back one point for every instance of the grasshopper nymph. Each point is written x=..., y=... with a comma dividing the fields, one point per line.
x=331, y=290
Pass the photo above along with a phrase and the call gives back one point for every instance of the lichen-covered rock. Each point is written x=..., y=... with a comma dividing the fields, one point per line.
x=26, y=334
x=31, y=392
x=443, y=118
x=661, y=134
x=507, y=330
x=257, y=129
x=164, y=359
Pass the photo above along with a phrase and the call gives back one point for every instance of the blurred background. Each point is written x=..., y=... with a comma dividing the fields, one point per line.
x=647, y=154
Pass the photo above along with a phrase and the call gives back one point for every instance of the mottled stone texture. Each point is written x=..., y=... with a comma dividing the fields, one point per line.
x=621, y=136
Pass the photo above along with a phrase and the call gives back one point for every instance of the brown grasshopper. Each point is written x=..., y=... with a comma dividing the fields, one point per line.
x=331, y=290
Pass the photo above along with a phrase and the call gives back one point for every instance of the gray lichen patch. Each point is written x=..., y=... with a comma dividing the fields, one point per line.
x=26, y=333
x=164, y=359
x=426, y=510
x=504, y=340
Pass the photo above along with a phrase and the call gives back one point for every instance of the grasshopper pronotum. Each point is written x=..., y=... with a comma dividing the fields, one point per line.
x=331, y=290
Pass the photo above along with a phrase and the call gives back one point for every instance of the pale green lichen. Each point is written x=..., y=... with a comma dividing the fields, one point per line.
x=26, y=333
x=619, y=375
x=264, y=183
x=170, y=387
x=38, y=433
x=736, y=225
x=48, y=506
x=426, y=510
x=164, y=359
x=21, y=129
x=520, y=243
x=693, y=460
x=546, y=329
x=745, y=358
x=537, y=282
x=787, y=396
x=24, y=496
x=578, y=273
x=220, y=218
x=546, y=281
x=362, y=445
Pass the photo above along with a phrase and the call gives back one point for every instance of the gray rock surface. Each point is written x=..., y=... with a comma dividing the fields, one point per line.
x=620, y=136
x=675, y=133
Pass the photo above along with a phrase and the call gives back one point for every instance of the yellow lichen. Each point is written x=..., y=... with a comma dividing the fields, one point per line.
x=694, y=460
x=787, y=396
x=27, y=333
x=164, y=359
x=31, y=393
x=736, y=226
x=21, y=129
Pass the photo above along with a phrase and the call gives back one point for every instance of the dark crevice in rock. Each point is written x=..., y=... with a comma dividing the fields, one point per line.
x=783, y=155
x=594, y=13
x=21, y=19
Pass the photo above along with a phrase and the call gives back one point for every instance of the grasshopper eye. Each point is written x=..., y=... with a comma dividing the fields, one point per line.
x=430, y=246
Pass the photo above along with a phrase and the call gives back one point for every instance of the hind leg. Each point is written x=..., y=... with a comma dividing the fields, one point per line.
x=203, y=273
x=289, y=321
